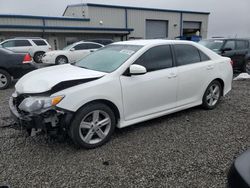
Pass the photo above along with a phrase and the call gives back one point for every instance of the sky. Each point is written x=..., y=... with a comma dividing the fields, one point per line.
x=228, y=18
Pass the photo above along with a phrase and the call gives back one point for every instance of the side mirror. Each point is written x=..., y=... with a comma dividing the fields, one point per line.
x=72, y=49
x=137, y=70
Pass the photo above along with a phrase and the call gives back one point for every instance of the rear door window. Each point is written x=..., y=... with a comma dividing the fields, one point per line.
x=156, y=58
x=203, y=56
x=241, y=45
x=22, y=43
x=186, y=54
x=81, y=46
x=40, y=42
x=230, y=44
x=93, y=46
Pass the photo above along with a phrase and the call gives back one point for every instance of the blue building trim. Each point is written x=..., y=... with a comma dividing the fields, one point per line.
x=135, y=8
x=64, y=28
x=43, y=17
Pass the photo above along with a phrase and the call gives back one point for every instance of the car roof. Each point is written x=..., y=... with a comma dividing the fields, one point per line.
x=152, y=42
x=82, y=42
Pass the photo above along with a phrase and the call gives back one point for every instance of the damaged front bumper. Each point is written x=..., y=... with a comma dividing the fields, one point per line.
x=53, y=120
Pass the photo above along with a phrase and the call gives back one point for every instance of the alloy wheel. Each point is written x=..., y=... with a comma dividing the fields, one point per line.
x=213, y=95
x=39, y=58
x=95, y=127
x=3, y=80
x=62, y=61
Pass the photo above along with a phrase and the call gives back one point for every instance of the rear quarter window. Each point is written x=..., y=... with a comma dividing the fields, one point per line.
x=241, y=45
x=40, y=42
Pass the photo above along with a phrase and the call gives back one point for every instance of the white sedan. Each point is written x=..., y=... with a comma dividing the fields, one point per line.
x=71, y=53
x=120, y=85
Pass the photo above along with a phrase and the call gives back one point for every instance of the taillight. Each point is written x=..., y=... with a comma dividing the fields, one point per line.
x=27, y=58
x=232, y=63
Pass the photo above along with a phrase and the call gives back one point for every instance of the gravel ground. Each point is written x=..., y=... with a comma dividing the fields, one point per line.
x=192, y=148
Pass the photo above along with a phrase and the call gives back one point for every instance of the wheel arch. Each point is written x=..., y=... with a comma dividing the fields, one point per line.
x=110, y=104
x=61, y=55
x=37, y=53
x=2, y=68
x=221, y=83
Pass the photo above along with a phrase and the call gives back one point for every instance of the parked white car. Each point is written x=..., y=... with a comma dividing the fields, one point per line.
x=36, y=47
x=71, y=53
x=120, y=85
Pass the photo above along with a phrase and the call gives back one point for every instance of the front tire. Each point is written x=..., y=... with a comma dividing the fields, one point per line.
x=212, y=95
x=92, y=126
x=60, y=60
x=5, y=79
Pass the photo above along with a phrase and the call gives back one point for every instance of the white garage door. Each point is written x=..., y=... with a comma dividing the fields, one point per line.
x=191, y=25
x=156, y=29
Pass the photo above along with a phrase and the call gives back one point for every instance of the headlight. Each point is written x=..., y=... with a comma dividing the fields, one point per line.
x=33, y=104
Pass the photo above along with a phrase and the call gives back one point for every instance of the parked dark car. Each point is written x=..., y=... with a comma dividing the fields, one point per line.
x=102, y=41
x=13, y=66
x=237, y=49
x=239, y=173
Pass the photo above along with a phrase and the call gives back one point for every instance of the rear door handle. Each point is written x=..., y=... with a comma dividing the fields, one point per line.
x=210, y=67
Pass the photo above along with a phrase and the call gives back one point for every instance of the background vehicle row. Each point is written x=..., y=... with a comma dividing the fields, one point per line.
x=13, y=65
x=36, y=47
x=237, y=49
x=71, y=53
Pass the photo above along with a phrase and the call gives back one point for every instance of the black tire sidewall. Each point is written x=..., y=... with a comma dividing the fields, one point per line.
x=8, y=79
x=57, y=59
x=204, y=101
x=36, y=56
x=245, y=67
x=74, y=127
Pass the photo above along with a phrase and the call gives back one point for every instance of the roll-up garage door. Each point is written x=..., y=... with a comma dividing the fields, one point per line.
x=191, y=25
x=156, y=29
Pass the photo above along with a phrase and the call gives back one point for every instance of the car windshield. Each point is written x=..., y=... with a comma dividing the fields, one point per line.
x=214, y=45
x=108, y=58
x=69, y=47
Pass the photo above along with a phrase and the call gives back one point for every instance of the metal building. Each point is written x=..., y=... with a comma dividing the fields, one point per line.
x=88, y=21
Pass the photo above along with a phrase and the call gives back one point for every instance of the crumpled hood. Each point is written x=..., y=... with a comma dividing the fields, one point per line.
x=45, y=79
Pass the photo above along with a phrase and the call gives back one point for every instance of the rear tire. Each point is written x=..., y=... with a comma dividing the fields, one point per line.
x=247, y=67
x=60, y=60
x=38, y=57
x=5, y=79
x=92, y=126
x=212, y=95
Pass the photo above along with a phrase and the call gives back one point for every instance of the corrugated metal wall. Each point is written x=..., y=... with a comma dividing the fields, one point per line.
x=137, y=20
x=110, y=17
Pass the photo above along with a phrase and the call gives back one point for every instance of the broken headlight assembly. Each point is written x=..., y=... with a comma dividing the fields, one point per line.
x=39, y=104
